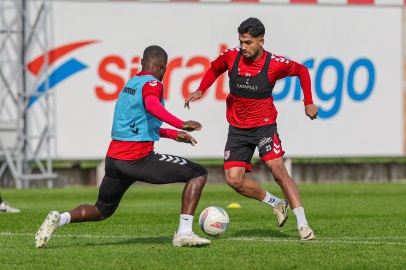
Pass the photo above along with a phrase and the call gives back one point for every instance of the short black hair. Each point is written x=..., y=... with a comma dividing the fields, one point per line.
x=252, y=26
x=155, y=52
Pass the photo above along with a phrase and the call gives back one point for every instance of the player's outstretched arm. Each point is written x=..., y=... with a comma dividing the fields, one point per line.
x=154, y=107
x=191, y=126
x=311, y=111
x=185, y=138
x=209, y=78
x=192, y=97
x=287, y=68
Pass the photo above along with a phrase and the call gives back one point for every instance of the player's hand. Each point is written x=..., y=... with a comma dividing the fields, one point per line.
x=185, y=138
x=311, y=111
x=191, y=126
x=192, y=97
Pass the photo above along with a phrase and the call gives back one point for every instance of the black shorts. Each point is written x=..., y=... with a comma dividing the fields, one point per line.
x=241, y=143
x=153, y=168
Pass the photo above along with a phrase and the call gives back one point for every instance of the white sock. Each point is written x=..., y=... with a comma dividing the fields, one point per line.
x=64, y=219
x=300, y=217
x=185, y=224
x=271, y=199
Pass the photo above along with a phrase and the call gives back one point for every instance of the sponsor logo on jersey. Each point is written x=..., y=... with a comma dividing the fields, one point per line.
x=153, y=83
x=247, y=86
x=129, y=90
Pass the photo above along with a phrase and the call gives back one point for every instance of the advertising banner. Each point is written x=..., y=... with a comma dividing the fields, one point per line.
x=354, y=56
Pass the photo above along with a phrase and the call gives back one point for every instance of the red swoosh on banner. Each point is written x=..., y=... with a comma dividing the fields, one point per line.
x=53, y=55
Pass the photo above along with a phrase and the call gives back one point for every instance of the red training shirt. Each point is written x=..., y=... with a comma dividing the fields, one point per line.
x=247, y=113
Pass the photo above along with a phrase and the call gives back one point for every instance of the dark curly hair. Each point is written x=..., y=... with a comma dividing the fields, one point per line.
x=252, y=26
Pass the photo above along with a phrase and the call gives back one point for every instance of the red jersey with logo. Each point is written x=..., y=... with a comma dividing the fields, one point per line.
x=152, y=94
x=247, y=113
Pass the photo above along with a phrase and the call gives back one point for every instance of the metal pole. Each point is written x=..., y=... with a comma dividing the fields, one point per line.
x=24, y=91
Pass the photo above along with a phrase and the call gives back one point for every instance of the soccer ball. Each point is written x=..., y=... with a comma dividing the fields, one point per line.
x=214, y=221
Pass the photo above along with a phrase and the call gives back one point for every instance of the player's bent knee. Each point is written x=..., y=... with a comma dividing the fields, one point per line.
x=235, y=182
x=201, y=171
x=105, y=211
x=101, y=217
x=200, y=180
x=199, y=174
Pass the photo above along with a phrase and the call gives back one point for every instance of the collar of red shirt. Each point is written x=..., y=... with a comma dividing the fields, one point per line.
x=144, y=73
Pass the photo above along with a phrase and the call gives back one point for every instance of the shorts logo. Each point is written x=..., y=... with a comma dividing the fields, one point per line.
x=226, y=154
x=153, y=83
x=276, y=147
x=175, y=159
x=264, y=141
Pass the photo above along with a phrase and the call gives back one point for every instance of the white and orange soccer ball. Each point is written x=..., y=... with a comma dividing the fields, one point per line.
x=214, y=221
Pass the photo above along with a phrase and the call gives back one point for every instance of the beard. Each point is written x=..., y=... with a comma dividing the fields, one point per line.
x=252, y=56
x=249, y=57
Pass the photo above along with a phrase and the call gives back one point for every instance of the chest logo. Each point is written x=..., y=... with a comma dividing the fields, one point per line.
x=129, y=90
x=247, y=86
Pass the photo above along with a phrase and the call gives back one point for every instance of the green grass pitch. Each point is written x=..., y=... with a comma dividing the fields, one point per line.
x=357, y=226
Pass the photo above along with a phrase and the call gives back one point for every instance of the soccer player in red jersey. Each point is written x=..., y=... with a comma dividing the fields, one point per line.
x=138, y=116
x=251, y=114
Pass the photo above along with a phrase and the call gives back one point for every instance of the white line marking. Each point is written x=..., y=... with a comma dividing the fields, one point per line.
x=313, y=241
x=263, y=239
x=84, y=235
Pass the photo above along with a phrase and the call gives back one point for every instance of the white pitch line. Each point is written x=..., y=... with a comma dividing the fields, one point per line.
x=367, y=237
x=263, y=239
x=85, y=235
x=313, y=241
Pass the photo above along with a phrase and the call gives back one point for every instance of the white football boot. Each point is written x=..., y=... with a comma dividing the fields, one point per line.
x=281, y=212
x=189, y=239
x=6, y=208
x=48, y=227
x=306, y=233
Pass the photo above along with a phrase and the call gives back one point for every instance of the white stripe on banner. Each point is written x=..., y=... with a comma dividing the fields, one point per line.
x=327, y=240
x=389, y=2
x=332, y=2
x=322, y=2
x=215, y=1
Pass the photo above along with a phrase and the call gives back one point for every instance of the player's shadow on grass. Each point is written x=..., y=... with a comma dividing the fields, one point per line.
x=142, y=241
x=259, y=233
